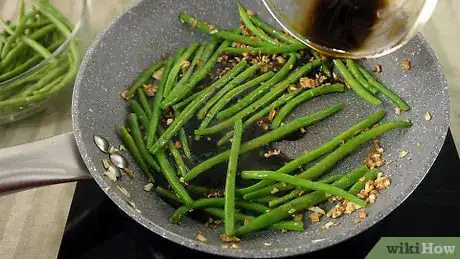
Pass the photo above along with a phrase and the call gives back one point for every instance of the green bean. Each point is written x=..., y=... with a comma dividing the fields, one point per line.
x=28, y=64
x=231, y=94
x=254, y=95
x=282, y=225
x=180, y=92
x=180, y=165
x=350, y=146
x=37, y=47
x=359, y=185
x=191, y=68
x=181, y=212
x=255, y=172
x=169, y=173
x=138, y=139
x=268, y=50
x=230, y=179
x=272, y=31
x=22, y=11
x=10, y=87
x=355, y=85
x=190, y=110
x=227, y=35
x=204, y=191
x=324, y=67
x=249, y=189
x=325, y=148
x=265, y=139
x=45, y=83
x=137, y=109
x=38, y=24
x=55, y=16
x=142, y=98
x=296, y=205
x=73, y=54
x=184, y=140
x=211, y=30
x=6, y=27
x=179, y=52
x=185, y=102
x=283, y=199
x=20, y=60
x=129, y=141
x=303, y=97
x=385, y=91
x=265, y=199
x=250, y=84
x=156, y=106
x=13, y=64
x=330, y=160
x=252, y=206
x=17, y=33
x=260, y=114
x=353, y=68
x=41, y=94
x=56, y=36
x=53, y=71
x=144, y=121
x=167, y=194
x=180, y=58
x=299, y=192
x=304, y=184
x=268, y=97
x=46, y=79
x=218, y=99
x=142, y=79
x=19, y=48
x=36, y=88
x=209, y=50
x=256, y=31
x=232, y=84
x=47, y=9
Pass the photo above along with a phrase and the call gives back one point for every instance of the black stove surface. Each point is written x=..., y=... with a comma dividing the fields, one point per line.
x=96, y=228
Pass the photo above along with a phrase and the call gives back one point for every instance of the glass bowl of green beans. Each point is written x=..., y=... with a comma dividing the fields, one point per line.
x=41, y=46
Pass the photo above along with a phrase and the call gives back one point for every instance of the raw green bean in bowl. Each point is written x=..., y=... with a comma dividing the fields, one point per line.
x=40, y=52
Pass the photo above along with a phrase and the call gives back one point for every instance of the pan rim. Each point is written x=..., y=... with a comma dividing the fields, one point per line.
x=269, y=253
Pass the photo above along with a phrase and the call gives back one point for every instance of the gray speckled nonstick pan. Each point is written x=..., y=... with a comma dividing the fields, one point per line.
x=136, y=40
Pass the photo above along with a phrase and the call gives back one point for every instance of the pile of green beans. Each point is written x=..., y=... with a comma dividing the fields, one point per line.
x=25, y=79
x=158, y=139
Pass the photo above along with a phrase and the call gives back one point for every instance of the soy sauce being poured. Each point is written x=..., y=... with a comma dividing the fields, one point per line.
x=338, y=24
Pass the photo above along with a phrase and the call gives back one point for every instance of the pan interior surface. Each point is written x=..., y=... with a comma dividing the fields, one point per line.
x=136, y=40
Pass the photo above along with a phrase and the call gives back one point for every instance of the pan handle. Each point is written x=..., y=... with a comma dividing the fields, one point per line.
x=45, y=162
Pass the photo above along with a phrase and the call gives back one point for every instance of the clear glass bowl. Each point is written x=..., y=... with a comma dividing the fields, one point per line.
x=29, y=80
x=398, y=22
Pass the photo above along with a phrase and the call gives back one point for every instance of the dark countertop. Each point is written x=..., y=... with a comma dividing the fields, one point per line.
x=96, y=228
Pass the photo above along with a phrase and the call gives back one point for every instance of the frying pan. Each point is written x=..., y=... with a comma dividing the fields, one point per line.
x=150, y=27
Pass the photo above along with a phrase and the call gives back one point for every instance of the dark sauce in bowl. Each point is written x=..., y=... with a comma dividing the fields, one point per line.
x=338, y=24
